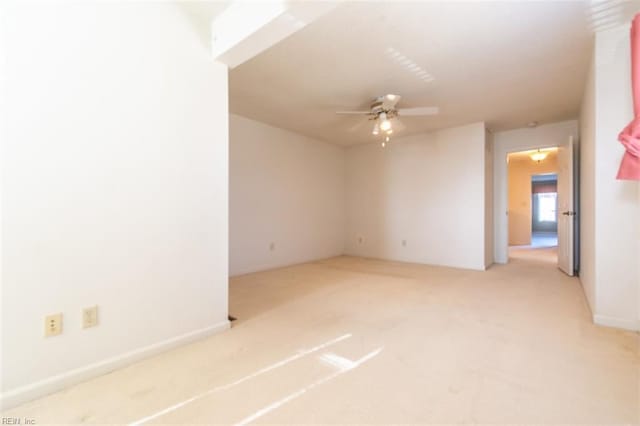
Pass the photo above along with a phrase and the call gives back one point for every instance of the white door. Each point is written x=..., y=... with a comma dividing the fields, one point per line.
x=566, y=212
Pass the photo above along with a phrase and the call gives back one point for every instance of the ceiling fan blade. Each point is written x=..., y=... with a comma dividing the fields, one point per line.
x=353, y=112
x=359, y=125
x=419, y=111
x=390, y=101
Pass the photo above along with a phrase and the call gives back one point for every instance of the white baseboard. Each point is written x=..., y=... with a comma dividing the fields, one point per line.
x=614, y=322
x=58, y=382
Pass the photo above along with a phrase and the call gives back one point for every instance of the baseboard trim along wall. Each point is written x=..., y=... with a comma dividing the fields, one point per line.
x=616, y=322
x=58, y=382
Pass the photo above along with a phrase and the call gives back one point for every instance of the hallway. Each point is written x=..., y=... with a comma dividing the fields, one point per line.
x=353, y=340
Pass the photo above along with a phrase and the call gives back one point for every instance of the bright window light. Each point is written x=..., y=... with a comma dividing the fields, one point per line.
x=547, y=203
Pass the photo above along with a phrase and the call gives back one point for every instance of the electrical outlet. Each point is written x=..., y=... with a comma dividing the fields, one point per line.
x=90, y=317
x=404, y=243
x=52, y=325
x=272, y=246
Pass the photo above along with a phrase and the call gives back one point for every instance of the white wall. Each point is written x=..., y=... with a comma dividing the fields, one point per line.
x=488, y=200
x=587, y=190
x=543, y=136
x=285, y=189
x=617, y=205
x=114, y=170
x=427, y=190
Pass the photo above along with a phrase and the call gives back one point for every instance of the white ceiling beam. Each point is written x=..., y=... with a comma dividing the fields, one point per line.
x=244, y=29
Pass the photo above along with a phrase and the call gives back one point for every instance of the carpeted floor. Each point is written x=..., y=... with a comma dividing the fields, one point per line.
x=541, y=240
x=544, y=239
x=351, y=340
x=547, y=255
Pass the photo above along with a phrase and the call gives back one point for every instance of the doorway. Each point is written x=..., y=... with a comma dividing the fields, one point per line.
x=568, y=192
x=521, y=167
x=544, y=210
x=531, y=194
x=532, y=204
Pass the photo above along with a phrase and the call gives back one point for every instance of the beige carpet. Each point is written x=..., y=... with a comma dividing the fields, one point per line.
x=547, y=255
x=351, y=340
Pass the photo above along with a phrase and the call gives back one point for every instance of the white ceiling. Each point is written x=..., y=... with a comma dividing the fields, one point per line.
x=506, y=63
x=200, y=13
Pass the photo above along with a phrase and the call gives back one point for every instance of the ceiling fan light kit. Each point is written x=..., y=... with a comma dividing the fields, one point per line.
x=385, y=141
x=385, y=123
x=383, y=111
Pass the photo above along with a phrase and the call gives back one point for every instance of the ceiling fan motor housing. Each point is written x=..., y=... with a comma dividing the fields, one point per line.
x=377, y=108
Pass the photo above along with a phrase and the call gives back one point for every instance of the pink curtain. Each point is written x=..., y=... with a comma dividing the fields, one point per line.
x=630, y=135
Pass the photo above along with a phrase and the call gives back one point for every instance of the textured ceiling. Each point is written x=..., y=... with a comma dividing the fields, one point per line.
x=506, y=63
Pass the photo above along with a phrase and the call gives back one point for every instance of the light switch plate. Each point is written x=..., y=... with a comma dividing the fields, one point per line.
x=90, y=317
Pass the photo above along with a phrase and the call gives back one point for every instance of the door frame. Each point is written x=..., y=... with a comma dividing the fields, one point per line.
x=500, y=190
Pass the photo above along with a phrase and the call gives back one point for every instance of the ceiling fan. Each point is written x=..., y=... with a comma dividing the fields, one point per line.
x=383, y=110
